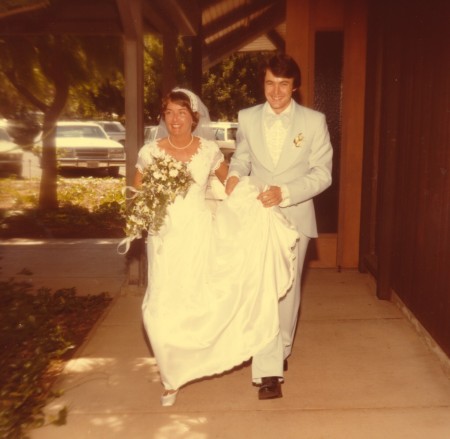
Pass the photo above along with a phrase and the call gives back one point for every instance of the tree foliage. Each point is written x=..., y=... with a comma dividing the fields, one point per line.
x=153, y=52
x=232, y=85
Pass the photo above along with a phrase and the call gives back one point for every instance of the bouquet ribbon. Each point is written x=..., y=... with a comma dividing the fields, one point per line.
x=126, y=242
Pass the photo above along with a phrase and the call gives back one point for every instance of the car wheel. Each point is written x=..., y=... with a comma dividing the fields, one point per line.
x=113, y=171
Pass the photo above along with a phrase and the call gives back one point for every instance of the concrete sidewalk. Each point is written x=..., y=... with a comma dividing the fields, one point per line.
x=92, y=266
x=359, y=369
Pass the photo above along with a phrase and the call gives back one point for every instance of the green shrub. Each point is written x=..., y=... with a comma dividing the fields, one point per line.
x=37, y=330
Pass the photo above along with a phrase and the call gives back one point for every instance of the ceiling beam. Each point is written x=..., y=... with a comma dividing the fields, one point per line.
x=90, y=27
x=102, y=17
x=7, y=10
x=131, y=28
x=185, y=15
x=83, y=17
x=276, y=39
x=241, y=36
x=204, y=4
x=154, y=20
x=238, y=14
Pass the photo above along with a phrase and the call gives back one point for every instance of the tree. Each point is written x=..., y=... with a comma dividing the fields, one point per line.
x=109, y=99
x=232, y=85
x=42, y=69
x=153, y=50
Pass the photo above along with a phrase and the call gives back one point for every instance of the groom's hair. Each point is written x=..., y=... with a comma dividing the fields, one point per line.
x=282, y=66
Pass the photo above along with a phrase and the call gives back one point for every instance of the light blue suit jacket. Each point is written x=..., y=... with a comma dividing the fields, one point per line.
x=305, y=168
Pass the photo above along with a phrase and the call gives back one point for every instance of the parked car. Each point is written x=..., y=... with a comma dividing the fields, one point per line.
x=11, y=154
x=86, y=145
x=114, y=129
x=225, y=136
x=225, y=133
x=149, y=132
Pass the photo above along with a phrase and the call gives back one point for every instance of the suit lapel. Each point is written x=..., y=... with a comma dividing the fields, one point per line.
x=261, y=150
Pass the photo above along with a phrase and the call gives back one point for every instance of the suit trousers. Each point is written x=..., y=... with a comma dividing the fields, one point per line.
x=269, y=361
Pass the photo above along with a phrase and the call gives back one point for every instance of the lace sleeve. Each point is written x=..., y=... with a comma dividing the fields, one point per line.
x=217, y=157
x=144, y=157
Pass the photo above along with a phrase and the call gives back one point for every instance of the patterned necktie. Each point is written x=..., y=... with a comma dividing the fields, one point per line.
x=272, y=118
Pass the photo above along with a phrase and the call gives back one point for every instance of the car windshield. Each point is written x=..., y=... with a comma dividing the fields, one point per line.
x=232, y=133
x=220, y=134
x=114, y=128
x=80, y=131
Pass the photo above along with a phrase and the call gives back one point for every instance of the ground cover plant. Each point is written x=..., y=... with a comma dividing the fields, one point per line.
x=88, y=208
x=39, y=331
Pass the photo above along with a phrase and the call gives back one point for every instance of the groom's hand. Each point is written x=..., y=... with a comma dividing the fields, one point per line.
x=231, y=184
x=271, y=197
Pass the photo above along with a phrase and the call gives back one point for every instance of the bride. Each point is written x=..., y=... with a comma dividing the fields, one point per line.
x=214, y=280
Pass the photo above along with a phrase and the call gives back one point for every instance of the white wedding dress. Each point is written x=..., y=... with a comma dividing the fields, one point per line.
x=214, y=280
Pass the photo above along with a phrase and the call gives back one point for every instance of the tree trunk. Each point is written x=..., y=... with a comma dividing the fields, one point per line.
x=48, y=194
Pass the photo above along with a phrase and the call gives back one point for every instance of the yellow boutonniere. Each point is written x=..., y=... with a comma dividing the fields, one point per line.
x=298, y=140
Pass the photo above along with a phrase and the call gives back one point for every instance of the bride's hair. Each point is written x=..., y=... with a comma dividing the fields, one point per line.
x=200, y=115
x=184, y=100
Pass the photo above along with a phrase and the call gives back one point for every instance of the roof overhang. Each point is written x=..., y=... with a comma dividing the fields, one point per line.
x=99, y=17
x=222, y=26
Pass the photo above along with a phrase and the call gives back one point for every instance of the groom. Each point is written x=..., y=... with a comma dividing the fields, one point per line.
x=287, y=147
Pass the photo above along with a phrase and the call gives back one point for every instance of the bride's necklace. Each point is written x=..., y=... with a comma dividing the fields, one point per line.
x=180, y=147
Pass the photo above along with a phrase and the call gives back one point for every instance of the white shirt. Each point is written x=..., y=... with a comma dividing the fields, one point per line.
x=275, y=136
x=276, y=132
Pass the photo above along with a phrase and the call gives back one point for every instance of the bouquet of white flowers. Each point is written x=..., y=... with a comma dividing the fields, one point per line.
x=163, y=180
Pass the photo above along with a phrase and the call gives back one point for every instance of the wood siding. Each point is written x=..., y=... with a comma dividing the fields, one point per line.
x=405, y=222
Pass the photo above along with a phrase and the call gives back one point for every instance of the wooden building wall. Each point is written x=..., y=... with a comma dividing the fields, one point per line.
x=328, y=40
x=405, y=223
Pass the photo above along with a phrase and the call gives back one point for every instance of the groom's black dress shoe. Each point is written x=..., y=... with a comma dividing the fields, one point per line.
x=270, y=388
